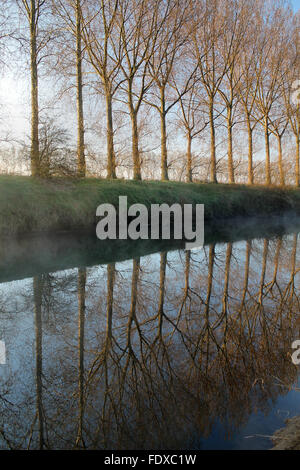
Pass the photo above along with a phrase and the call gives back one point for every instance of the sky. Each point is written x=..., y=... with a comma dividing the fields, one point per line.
x=15, y=101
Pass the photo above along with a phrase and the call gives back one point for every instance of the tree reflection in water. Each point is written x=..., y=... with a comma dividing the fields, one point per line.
x=149, y=353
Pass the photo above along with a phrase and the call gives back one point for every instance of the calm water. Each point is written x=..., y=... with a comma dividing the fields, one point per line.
x=171, y=350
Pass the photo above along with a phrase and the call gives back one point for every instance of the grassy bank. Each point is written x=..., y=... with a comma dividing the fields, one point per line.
x=28, y=205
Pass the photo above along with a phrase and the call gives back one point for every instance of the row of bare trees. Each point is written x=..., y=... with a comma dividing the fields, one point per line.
x=216, y=65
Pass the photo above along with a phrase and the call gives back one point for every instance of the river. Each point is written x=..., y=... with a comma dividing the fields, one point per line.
x=150, y=347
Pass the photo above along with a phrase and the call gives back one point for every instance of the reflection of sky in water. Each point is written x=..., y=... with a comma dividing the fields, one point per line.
x=18, y=377
x=2, y=352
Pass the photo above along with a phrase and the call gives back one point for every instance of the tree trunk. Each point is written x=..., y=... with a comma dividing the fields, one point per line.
x=187, y=272
x=230, y=153
x=162, y=289
x=135, y=135
x=81, y=164
x=280, y=166
x=135, y=147
x=81, y=284
x=163, y=129
x=111, y=162
x=267, y=144
x=34, y=154
x=210, y=278
x=189, y=174
x=297, y=176
x=263, y=272
x=213, y=164
x=133, y=302
x=250, y=151
x=37, y=294
x=246, y=280
x=111, y=271
x=226, y=275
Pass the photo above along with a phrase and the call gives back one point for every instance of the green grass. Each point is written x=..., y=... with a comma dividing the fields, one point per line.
x=31, y=205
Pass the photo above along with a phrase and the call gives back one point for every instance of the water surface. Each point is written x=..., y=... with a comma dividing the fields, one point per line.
x=170, y=350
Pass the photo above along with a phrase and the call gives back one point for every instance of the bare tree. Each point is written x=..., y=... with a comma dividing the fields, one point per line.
x=278, y=125
x=210, y=23
x=272, y=49
x=248, y=88
x=56, y=156
x=192, y=119
x=33, y=10
x=99, y=34
x=69, y=11
x=137, y=28
x=292, y=105
x=170, y=25
x=239, y=14
x=81, y=165
x=293, y=112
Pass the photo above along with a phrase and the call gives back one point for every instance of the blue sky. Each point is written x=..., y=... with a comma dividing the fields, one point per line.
x=15, y=101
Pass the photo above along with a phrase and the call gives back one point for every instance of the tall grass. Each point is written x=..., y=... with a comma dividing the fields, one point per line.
x=34, y=205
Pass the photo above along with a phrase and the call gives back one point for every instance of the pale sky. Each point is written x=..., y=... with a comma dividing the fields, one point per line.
x=15, y=100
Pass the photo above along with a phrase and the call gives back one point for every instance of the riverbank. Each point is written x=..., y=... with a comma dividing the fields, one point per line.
x=30, y=205
x=288, y=438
